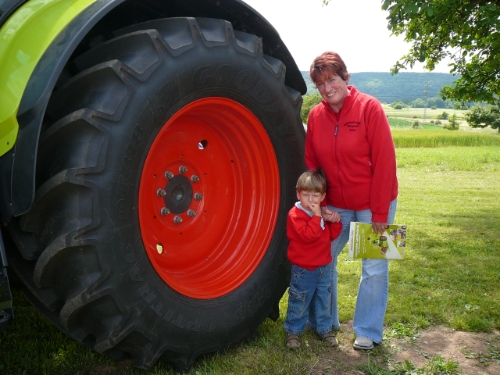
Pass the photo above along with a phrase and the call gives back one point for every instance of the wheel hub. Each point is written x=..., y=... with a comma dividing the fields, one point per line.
x=179, y=194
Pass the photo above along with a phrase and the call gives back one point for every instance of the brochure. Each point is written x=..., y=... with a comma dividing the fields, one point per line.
x=364, y=243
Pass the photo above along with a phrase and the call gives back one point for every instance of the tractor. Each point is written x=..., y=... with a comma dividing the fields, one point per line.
x=149, y=151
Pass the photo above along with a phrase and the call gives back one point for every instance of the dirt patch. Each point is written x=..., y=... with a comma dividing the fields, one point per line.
x=475, y=353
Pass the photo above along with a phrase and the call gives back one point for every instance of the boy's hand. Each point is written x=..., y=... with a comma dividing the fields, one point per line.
x=315, y=208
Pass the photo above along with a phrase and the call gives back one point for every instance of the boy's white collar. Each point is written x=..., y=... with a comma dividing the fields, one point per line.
x=310, y=213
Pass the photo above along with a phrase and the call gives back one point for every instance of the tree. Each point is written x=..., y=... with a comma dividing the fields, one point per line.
x=466, y=31
x=398, y=105
x=419, y=103
x=484, y=116
x=309, y=101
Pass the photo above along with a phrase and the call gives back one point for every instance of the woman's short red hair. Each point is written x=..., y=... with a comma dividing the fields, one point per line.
x=327, y=65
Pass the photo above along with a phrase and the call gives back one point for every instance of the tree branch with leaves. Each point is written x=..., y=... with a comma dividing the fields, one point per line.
x=465, y=31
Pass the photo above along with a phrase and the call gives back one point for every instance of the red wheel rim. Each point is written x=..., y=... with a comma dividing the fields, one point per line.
x=209, y=198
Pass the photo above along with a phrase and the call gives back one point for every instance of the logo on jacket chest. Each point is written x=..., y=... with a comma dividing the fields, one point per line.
x=352, y=125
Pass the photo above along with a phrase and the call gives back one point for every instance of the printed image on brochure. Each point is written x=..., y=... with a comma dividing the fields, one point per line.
x=364, y=243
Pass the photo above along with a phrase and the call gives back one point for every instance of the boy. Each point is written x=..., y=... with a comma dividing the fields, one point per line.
x=309, y=296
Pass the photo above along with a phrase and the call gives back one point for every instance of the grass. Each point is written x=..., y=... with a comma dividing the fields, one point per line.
x=448, y=199
x=442, y=138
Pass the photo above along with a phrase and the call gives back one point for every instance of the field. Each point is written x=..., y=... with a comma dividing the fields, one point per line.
x=420, y=113
x=446, y=286
x=404, y=119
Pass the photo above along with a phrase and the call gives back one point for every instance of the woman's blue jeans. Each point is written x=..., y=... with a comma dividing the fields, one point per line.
x=310, y=293
x=371, y=303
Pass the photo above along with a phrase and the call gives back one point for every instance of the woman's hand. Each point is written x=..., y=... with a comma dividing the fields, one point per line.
x=329, y=215
x=379, y=228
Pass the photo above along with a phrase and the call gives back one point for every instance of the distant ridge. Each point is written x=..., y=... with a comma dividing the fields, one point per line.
x=389, y=88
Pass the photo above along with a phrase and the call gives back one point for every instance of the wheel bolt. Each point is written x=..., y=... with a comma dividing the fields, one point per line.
x=169, y=175
x=198, y=196
x=164, y=211
x=191, y=213
x=159, y=248
x=177, y=219
x=183, y=169
x=195, y=178
x=161, y=192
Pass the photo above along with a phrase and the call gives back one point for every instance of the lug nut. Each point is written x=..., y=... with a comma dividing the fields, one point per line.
x=161, y=192
x=169, y=175
x=195, y=178
x=191, y=213
x=198, y=196
x=183, y=169
x=177, y=219
x=164, y=211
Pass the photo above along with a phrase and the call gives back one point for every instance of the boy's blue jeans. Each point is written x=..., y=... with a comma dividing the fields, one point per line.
x=310, y=293
x=373, y=291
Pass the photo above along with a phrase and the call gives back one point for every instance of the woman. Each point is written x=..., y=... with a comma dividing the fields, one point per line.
x=348, y=136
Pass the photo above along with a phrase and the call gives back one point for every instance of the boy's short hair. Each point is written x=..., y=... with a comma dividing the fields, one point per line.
x=312, y=180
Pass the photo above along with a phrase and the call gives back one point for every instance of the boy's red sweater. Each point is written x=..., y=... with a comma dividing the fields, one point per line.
x=309, y=245
x=356, y=151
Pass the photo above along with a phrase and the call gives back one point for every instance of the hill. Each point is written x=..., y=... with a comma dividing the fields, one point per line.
x=389, y=88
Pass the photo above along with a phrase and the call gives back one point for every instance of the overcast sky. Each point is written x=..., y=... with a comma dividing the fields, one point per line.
x=356, y=29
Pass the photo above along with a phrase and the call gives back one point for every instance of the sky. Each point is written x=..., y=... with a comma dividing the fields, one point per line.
x=355, y=29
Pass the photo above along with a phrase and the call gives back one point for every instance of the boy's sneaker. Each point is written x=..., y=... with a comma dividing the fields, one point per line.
x=363, y=343
x=329, y=338
x=292, y=341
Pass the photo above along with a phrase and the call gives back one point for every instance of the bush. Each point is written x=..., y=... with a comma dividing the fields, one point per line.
x=452, y=124
x=416, y=125
x=444, y=115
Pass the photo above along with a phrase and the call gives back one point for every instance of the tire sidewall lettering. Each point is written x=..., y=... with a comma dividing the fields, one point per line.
x=202, y=77
x=170, y=315
x=244, y=80
x=224, y=75
x=208, y=76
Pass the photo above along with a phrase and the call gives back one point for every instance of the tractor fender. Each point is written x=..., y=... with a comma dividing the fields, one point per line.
x=17, y=166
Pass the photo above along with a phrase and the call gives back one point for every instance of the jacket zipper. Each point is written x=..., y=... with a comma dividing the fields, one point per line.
x=337, y=159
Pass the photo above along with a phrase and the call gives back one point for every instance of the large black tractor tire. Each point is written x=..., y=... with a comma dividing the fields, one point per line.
x=166, y=169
